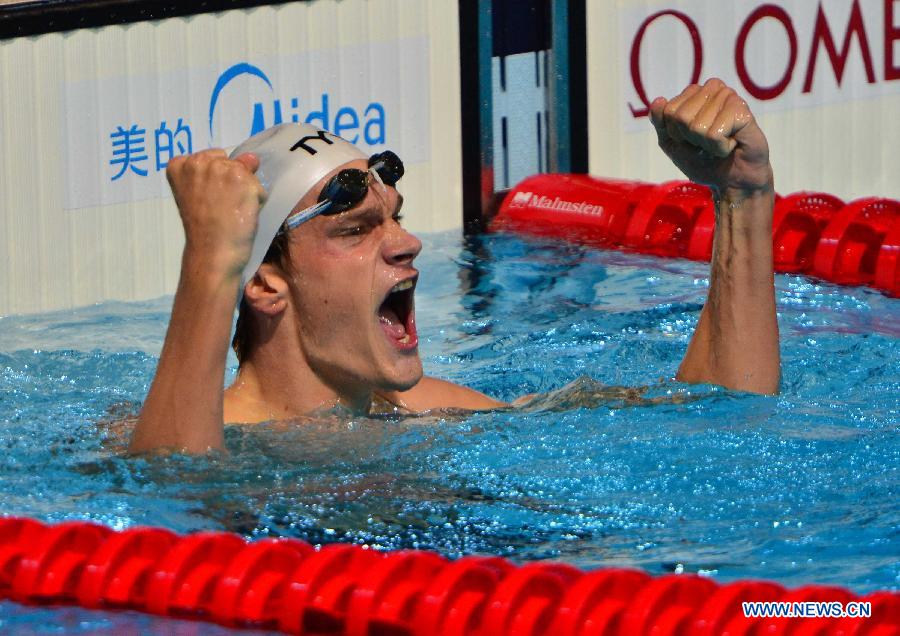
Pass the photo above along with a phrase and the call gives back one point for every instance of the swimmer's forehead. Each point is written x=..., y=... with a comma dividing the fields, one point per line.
x=370, y=210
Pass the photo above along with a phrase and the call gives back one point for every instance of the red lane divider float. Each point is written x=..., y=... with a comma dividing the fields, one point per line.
x=286, y=584
x=855, y=243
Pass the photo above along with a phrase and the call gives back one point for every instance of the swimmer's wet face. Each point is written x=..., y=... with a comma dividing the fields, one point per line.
x=352, y=288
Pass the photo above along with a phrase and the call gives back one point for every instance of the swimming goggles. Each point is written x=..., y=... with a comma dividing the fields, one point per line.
x=349, y=187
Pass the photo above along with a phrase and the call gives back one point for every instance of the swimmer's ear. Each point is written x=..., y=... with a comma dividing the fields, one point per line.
x=267, y=291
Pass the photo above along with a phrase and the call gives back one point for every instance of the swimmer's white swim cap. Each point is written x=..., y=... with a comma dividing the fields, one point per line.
x=293, y=157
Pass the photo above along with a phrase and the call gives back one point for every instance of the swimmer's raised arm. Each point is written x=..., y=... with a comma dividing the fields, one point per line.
x=219, y=201
x=710, y=134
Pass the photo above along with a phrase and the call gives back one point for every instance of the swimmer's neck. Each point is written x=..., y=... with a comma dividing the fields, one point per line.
x=260, y=393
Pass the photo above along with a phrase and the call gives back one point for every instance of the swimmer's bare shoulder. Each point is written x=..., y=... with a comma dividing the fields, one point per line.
x=237, y=408
x=434, y=394
x=429, y=394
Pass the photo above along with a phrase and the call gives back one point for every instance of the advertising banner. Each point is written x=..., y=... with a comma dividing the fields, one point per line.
x=785, y=55
x=92, y=117
x=120, y=132
x=822, y=78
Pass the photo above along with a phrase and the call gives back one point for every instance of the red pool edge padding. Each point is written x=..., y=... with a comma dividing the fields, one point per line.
x=289, y=585
x=813, y=233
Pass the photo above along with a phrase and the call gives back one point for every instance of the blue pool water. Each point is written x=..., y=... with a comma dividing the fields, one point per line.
x=799, y=488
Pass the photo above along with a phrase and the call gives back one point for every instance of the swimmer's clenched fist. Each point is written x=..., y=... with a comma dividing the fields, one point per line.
x=710, y=134
x=712, y=137
x=219, y=201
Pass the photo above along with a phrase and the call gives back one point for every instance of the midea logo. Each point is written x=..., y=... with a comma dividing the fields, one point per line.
x=347, y=121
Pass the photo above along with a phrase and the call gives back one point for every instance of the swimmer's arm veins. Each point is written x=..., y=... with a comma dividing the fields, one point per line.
x=735, y=343
x=711, y=135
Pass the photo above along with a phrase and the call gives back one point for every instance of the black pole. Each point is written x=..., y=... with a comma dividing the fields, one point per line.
x=475, y=108
x=578, y=98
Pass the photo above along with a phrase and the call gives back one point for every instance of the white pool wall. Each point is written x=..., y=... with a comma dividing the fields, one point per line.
x=73, y=236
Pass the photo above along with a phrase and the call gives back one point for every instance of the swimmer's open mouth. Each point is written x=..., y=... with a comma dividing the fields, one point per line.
x=397, y=314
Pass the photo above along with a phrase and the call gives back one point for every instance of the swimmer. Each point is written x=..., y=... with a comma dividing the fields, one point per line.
x=302, y=232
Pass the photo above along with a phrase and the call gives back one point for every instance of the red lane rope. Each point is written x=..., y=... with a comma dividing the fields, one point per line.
x=286, y=584
x=856, y=243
